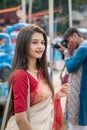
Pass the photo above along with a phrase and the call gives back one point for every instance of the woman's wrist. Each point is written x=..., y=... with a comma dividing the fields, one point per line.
x=59, y=94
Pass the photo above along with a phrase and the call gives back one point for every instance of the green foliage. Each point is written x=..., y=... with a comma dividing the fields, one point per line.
x=40, y=5
x=62, y=27
x=9, y=3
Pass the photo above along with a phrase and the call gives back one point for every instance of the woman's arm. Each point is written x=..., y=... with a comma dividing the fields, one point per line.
x=22, y=121
x=20, y=92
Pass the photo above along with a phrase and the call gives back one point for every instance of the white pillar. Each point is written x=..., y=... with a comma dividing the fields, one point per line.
x=51, y=30
x=24, y=10
x=70, y=12
x=51, y=19
x=30, y=11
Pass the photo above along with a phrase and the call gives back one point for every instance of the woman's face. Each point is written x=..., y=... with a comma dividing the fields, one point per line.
x=37, y=46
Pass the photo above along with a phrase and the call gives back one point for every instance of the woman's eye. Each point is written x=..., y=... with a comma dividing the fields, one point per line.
x=42, y=42
x=35, y=42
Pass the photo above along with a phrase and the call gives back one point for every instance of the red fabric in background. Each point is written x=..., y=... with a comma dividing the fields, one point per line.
x=65, y=79
x=58, y=115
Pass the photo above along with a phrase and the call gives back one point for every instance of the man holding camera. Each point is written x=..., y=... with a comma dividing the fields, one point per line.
x=76, y=63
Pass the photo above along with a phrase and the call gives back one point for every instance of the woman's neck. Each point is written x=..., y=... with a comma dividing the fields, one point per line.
x=33, y=70
x=32, y=67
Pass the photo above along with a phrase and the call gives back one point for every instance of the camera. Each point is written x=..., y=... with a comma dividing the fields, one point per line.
x=63, y=43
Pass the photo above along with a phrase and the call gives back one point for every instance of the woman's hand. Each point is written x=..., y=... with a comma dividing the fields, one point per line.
x=63, y=91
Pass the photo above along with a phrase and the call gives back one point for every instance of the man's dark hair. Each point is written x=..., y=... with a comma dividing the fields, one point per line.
x=70, y=32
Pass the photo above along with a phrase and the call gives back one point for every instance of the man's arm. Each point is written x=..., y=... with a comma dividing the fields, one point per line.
x=74, y=62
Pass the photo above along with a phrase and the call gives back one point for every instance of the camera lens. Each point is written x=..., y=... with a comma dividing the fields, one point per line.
x=55, y=45
x=64, y=43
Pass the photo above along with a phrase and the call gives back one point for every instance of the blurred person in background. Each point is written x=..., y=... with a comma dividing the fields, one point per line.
x=57, y=56
x=76, y=64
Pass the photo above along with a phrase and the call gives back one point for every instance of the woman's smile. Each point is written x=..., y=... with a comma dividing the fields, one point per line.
x=37, y=45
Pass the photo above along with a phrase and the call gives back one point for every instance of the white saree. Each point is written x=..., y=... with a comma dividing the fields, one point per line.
x=41, y=116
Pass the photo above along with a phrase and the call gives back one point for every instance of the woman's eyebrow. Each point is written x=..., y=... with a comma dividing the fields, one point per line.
x=37, y=39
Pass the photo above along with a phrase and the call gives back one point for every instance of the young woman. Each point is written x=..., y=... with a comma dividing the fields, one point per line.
x=30, y=64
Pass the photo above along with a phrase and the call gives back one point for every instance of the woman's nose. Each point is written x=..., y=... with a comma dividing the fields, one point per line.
x=40, y=44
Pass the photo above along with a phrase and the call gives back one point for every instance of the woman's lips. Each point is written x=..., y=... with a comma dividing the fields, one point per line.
x=40, y=51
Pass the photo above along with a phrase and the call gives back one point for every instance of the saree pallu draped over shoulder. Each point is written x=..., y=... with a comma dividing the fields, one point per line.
x=41, y=115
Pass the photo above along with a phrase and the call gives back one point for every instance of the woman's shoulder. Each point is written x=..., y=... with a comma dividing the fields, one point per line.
x=19, y=73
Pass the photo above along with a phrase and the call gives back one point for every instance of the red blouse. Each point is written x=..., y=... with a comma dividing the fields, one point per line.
x=39, y=89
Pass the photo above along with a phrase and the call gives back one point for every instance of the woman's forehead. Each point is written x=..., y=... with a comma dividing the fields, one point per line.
x=37, y=36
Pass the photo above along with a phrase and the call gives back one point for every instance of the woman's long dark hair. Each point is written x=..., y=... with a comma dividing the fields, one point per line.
x=20, y=60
